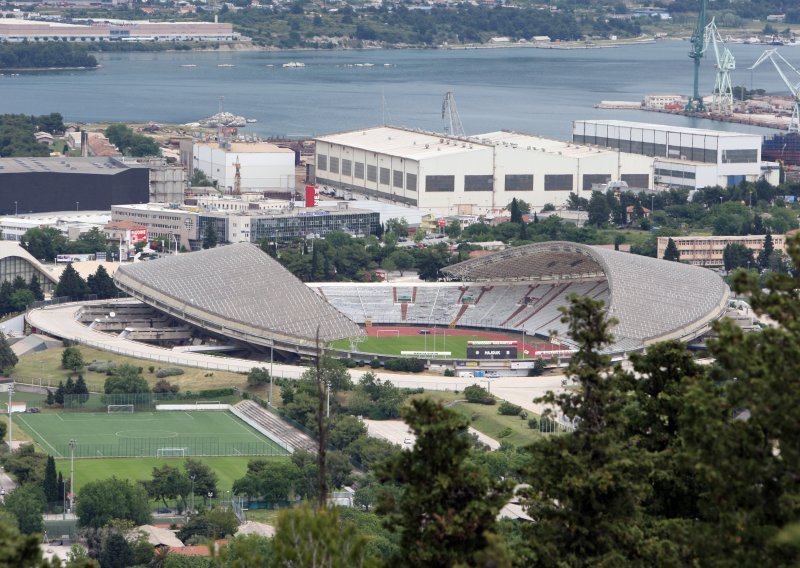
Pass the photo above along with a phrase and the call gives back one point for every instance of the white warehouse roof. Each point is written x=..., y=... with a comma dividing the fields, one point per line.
x=403, y=143
x=667, y=128
x=538, y=143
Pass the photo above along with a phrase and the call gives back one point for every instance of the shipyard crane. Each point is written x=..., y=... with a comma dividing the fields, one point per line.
x=452, y=123
x=775, y=57
x=699, y=46
x=722, y=100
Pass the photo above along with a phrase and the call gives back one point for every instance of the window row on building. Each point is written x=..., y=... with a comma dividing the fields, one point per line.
x=524, y=182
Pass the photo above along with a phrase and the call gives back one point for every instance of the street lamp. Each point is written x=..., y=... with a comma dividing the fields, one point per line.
x=15, y=209
x=72, y=444
x=192, y=478
x=77, y=205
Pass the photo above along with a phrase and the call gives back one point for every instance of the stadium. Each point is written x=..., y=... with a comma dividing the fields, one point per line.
x=241, y=294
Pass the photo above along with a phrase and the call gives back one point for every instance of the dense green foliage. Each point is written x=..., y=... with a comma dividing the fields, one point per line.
x=125, y=379
x=17, y=133
x=44, y=55
x=99, y=502
x=71, y=284
x=7, y=357
x=131, y=143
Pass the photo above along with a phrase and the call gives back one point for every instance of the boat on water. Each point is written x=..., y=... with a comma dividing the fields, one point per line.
x=251, y=120
x=188, y=65
x=294, y=64
x=226, y=65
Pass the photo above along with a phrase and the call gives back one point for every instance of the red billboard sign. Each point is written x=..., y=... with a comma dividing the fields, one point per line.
x=441, y=221
x=311, y=196
x=138, y=235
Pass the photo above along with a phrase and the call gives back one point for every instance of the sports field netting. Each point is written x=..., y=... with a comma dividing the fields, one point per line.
x=146, y=434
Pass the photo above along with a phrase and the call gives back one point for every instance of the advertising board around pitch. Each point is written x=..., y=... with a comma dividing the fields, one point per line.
x=492, y=352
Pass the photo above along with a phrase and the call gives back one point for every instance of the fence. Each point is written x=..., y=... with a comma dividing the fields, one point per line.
x=179, y=446
x=141, y=401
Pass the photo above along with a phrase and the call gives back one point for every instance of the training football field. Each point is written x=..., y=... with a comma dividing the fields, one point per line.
x=145, y=434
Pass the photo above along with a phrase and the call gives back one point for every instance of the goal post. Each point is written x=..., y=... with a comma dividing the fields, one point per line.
x=170, y=452
x=390, y=332
x=120, y=408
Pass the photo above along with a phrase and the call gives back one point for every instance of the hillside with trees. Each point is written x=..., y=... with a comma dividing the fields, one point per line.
x=45, y=55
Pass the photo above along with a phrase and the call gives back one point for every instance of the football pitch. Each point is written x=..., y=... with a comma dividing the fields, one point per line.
x=389, y=344
x=145, y=434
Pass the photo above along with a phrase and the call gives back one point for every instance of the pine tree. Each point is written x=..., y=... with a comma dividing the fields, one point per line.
x=19, y=283
x=116, y=552
x=7, y=357
x=62, y=489
x=516, y=211
x=36, y=288
x=59, y=396
x=81, y=390
x=69, y=387
x=71, y=284
x=101, y=284
x=50, y=400
x=766, y=252
x=209, y=236
x=6, y=290
x=50, y=484
x=671, y=252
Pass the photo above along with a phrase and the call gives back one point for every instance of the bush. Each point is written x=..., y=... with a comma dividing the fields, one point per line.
x=349, y=363
x=476, y=394
x=505, y=433
x=533, y=423
x=449, y=373
x=376, y=364
x=537, y=369
x=101, y=366
x=151, y=368
x=508, y=409
x=169, y=372
x=406, y=364
x=257, y=377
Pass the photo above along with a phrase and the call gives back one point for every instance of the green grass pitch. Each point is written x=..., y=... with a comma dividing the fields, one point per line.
x=143, y=434
x=393, y=345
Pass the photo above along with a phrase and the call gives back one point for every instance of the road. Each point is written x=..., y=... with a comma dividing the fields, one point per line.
x=7, y=484
x=61, y=321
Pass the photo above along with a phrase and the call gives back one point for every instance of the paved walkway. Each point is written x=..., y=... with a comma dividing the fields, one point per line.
x=61, y=321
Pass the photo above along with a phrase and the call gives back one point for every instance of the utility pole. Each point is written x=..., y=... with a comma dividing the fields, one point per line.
x=271, y=359
x=10, y=432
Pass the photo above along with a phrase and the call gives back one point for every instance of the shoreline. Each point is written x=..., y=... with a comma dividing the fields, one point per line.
x=17, y=69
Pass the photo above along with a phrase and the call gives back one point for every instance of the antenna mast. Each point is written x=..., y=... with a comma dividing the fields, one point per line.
x=452, y=123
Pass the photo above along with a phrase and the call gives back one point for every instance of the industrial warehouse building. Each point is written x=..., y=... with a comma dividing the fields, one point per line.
x=476, y=175
x=262, y=167
x=36, y=185
x=184, y=227
x=18, y=30
x=684, y=157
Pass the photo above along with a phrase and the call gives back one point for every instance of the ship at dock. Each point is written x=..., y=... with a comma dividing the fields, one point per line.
x=784, y=147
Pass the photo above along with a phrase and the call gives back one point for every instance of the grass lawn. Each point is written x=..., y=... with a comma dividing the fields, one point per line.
x=228, y=469
x=485, y=419
x=144, y=434
x=45, y=367
x=393, y=345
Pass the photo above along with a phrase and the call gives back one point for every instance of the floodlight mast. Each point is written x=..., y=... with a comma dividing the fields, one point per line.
x=722, y=97
x=699, y=47
x=794, y=89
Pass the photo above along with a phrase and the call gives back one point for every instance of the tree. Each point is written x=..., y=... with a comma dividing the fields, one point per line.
x=101, y=501
x=577, y=203
x=401, y=260
x=398, y=227
x=50, y=485
x=36, y=288
x=44, y=243
x=116, y=552
x=101, y=284
x=58, y=397
x=27, y=503
x=81, y=390
x=72, y=359
x=257, y=377
x=209, y=236
x=168, y=482
x=21, y=550
x=476, y=394
x=599, y=210
x=125, y=379
x=441, y=521
x=737, y=255
x=271, y=480
x=21, y=299
x=453, y=229
x=586, y=487
x=671, y=252
x=71, y=284
x=516, y=212
x=344, y=430
x=205, y=480
x=8, y=358
x=318, y=538
x=212, y=524
x=766, y=252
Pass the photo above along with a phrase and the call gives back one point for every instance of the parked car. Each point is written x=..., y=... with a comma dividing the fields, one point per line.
x=424, y=332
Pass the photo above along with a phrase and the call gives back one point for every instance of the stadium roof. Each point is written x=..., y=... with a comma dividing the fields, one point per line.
x=11, y=249
x=651, y=299
x=237, y=291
